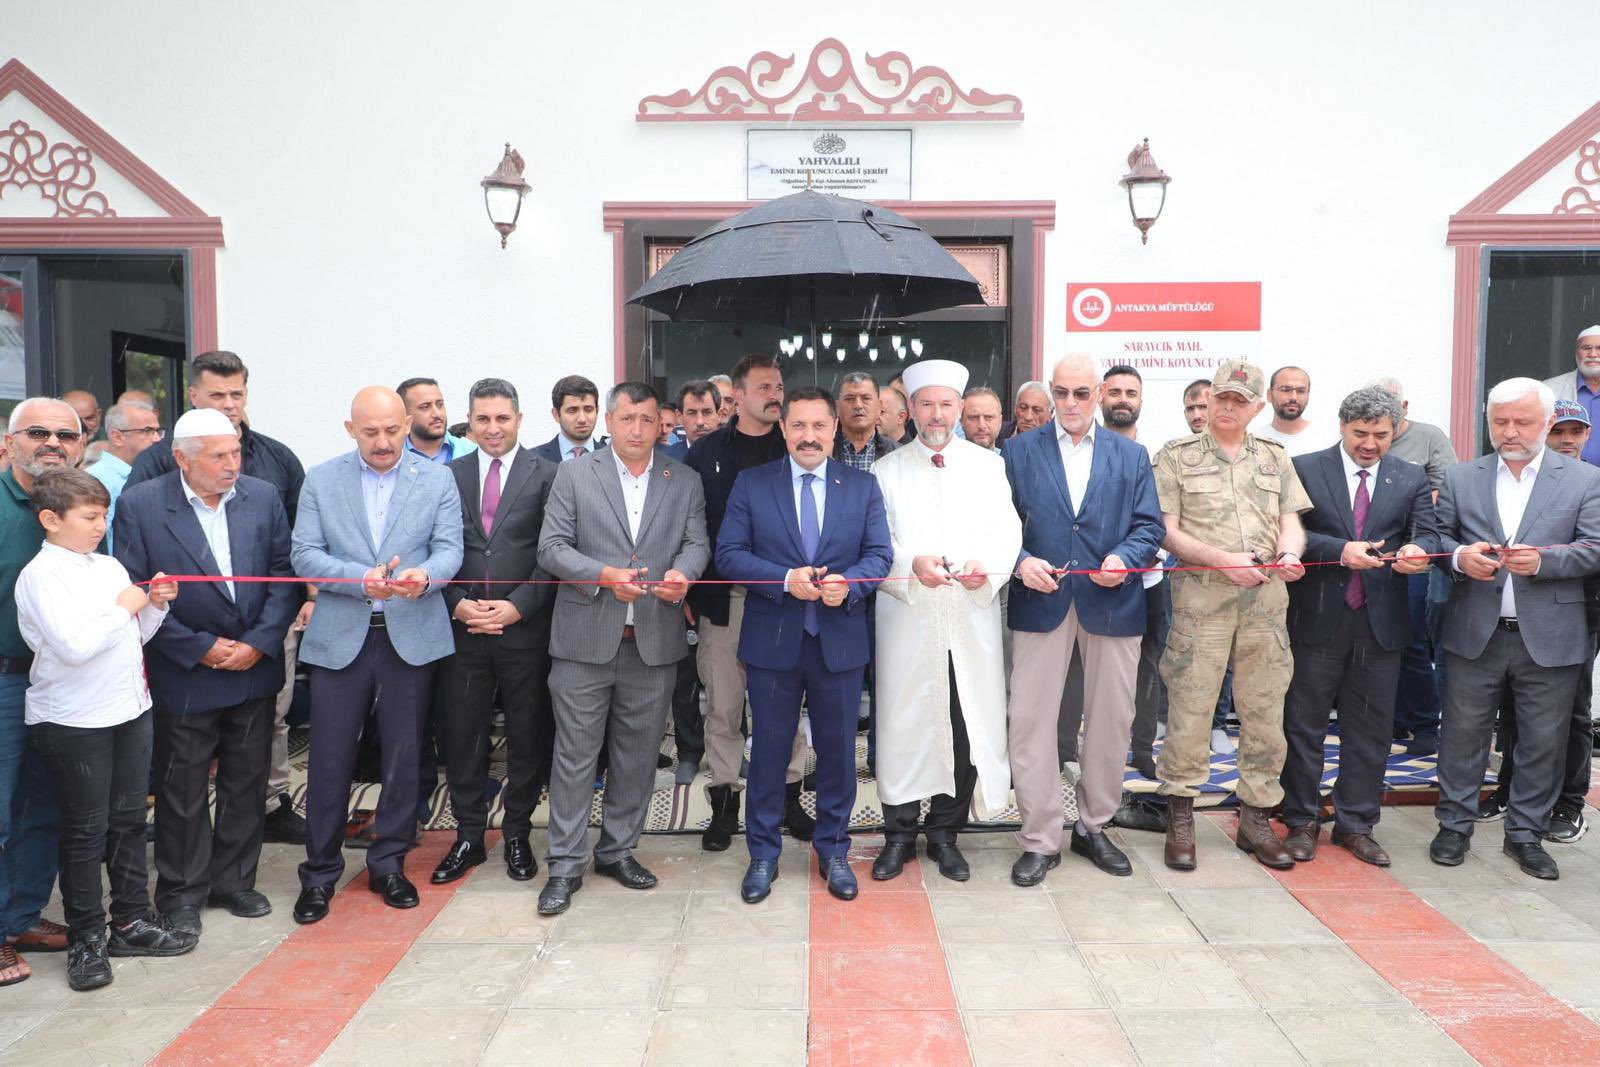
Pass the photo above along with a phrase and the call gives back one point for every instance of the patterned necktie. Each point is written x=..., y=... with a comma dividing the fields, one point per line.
x=938, y=460
x=491, y=496
x=1354, y=595
x=810, y=537
x=577, y=451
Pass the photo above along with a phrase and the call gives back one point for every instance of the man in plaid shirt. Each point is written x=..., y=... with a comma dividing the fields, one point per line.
x=859, y=444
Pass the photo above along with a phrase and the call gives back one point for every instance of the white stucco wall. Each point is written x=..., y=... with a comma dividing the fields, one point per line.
x=1320, y=153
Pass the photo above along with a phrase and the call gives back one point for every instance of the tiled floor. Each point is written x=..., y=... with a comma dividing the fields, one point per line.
x=1331, y=963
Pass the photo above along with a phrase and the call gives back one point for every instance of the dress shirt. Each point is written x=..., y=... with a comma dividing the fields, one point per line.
x=111, y=472
x=634, y=491
x=484, y=459
x=928, y=453
x=1352, y=479
x=214, y=525
x=446, y=452
x=819, y=488
x=1591, y=403
x=1076, y=459
x=377, y=490
x=1511, y=500
x=88, y=653
x=567, y=445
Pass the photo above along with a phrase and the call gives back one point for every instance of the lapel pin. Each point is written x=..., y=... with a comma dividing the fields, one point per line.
x=1388, y=481
x=665, y=473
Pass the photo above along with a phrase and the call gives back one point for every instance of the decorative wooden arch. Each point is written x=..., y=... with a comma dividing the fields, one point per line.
x=830, y=90
x=64, y=172
x=1482, y=224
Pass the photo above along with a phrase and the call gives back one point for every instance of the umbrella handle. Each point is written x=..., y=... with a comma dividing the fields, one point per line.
x=866, y=217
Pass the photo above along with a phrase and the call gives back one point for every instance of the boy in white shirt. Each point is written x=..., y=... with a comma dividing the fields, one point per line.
x=88, y=719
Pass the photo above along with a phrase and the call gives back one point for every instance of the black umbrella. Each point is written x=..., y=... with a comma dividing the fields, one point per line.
x=807, y=258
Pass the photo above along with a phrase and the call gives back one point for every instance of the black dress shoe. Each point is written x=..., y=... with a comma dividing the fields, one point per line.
x=1099, y=849
x=556, y=896
x=1449, y=847
x=952, y=864
x=629, y=871
x=462, y=857
x=892, y=860
x=312, y=904
x=246, y=903
x=1533, y=859
x=1030, y=868
x=185, y=917
x=396, y=889
x=283, y=825
x=520, y=864
x=840, y=878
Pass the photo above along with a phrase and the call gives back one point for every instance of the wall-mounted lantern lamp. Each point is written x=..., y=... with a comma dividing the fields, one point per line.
x=503, y=192
x=1147, y=189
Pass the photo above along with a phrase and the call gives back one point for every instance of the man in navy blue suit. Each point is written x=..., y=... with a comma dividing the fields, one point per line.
x=216, y=664
x=1087, y=499
x=811, y=537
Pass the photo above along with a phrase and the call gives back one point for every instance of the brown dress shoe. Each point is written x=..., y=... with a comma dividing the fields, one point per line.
x=46, y=936
x=1179, y=853
x=1257, y=837
x=1302, y=842
x=1363, y=847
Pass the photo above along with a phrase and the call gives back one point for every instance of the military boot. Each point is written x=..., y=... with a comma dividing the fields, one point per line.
x=1257, y=837
x=1180, y=833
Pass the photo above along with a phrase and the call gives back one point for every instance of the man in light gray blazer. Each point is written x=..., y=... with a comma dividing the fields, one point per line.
x=393, y=522
x=627, y=523
x=1522, y=526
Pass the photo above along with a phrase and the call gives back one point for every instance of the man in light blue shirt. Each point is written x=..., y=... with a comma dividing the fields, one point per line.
x=131, y=427
x=430, y=437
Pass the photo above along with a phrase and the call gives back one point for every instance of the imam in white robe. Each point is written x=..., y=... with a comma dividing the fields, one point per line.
x=961, y=512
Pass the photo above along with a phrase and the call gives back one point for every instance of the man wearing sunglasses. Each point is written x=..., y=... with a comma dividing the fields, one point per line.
x=42, y=433
x=131, y=427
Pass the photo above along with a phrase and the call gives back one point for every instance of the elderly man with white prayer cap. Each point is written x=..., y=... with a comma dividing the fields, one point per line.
x=941, y=683
x=216, y=665
x=1582, y=385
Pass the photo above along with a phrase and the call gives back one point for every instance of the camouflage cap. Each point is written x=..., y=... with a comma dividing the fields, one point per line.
x=1241, y=377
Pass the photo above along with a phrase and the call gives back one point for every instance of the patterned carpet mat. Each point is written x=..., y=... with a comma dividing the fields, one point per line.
x=685, y=808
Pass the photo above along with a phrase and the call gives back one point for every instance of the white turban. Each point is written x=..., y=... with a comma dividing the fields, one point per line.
x=946, y=372
x=1593, y=331
x=203, y=422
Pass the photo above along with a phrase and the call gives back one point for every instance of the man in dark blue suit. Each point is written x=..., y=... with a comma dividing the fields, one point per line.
x=1349, y=625
x=575, y=405
x=1087, y=498
x=216, y=665
x=811, y=537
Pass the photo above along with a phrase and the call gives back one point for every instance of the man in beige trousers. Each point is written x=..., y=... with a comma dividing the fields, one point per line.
x=1087, y=499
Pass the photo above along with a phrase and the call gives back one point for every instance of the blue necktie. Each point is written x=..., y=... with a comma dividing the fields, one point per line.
x=810, y=535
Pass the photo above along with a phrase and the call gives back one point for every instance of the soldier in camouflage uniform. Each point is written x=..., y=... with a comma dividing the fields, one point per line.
x=1229, y=500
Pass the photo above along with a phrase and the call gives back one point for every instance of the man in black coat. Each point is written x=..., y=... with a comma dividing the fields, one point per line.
x=216, y=665
x=1348, y=624
x=749, y=439
x=575, y=406
x=502, y=634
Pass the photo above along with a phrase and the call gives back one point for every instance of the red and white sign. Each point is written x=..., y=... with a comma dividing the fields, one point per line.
x=1164, y=307
x=1172, y=333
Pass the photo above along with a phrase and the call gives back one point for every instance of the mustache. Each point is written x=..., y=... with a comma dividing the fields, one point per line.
x=809, y=446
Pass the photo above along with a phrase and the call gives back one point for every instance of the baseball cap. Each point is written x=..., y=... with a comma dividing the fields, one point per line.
x=1571, y=411
x=1241, y=377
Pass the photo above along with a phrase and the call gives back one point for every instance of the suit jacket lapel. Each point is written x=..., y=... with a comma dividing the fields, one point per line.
x=521, y=471
x=783, y=496
x=1050, y=455
x=1490, y=466
x=185, y=529
x=1099, y=463
x=1544, y=486
x=405, y=481
x=604, y=465
x=467, y=488
x=833, y=504
x=1333, y=472
x=358, y=505
x=655, y=490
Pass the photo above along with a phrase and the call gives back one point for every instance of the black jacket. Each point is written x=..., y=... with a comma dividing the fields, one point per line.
x=712, y=458
x=511, y=550
x=259, y=456
x=1402, y=513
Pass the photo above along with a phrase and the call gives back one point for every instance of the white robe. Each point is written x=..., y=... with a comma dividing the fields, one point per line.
x=961, y=512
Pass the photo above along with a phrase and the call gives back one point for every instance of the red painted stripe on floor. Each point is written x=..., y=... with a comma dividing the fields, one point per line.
x=881, y=949
x=289, y=1007
x=1487, y=1006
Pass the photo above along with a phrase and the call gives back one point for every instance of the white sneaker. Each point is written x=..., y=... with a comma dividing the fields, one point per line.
x=1222, y=744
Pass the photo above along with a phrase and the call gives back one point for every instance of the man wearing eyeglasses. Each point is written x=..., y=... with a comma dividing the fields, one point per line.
x=131, y=427
x=42, y=433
